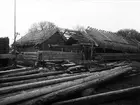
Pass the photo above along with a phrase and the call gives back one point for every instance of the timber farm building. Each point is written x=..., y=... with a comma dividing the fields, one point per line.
x=40, y=41
x=88, y=45
x=104, y=41
x=101, y=40
x=105, y=45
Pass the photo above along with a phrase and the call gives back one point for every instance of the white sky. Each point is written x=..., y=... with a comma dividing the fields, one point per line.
x=110, y=15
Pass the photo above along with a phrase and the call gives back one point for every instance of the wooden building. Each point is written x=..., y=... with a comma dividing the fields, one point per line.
x=99, y=42
x=40, y=41
x=89, y=43
x=104, y=41
x=111, y=42
x=81, y=40
x=49, y=46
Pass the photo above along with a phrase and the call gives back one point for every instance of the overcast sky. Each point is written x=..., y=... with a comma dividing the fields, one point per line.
x=110, y=15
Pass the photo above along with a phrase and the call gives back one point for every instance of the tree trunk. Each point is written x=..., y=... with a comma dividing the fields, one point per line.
x=91, y=81
x=15, y=70
x=107, y=68
x=28, y=72
x=73, y=86
x=103, y=97
x=7, y=68
x=21, y=87
x=2, y=80
x=34, y=80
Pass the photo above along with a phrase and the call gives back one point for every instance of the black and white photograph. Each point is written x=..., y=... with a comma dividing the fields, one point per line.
x=69, y=52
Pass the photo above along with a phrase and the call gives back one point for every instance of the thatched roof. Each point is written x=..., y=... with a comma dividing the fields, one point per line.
x=37, y=37
x=80, y=37
x=104, y=39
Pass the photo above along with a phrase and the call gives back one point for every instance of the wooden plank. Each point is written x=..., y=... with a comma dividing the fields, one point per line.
x=7, y=68
x=118, y=56
x=51, y=55
x=7, y=56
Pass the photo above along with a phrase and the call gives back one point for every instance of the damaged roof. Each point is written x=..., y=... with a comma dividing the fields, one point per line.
x=105, y=39
x=80, y=37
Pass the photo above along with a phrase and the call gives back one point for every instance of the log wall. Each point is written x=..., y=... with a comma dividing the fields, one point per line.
x=58, y=55
x=29, y=58
x=118, y=56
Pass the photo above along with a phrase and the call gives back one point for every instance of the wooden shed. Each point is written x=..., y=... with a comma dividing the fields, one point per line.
x=112, y=42
x=104, y=40
x=99, y=42
x=40, y=41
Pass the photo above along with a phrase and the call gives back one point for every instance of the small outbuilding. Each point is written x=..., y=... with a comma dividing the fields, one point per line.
x=40, y=41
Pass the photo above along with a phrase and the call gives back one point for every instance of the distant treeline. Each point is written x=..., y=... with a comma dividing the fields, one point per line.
x=129, y=33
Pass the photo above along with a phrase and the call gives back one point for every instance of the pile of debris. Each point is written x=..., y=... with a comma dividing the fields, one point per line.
x=61, y=65
x=35, y=86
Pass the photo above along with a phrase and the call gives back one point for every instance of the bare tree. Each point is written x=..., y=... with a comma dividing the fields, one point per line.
x=34, y=28
x=79, y=28
x=129, y=33
x=42, y=26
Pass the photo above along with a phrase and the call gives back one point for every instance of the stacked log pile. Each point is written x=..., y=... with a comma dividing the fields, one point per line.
x=33, y=86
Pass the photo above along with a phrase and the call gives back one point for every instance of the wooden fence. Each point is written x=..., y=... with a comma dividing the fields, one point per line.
x=29, y=58
x=118, y=56
x=58, y=55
